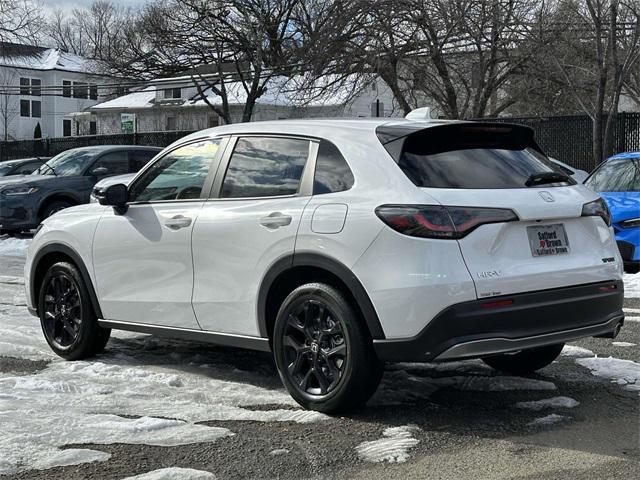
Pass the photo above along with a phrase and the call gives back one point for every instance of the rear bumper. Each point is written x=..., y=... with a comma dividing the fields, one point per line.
x=513, y=322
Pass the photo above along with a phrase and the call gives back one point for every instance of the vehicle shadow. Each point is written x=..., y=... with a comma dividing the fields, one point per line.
x=464, y=399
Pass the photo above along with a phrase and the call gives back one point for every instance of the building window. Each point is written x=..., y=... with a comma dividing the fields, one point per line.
x=171, y=123
x=93, y=92
x=93, y=128
x=25, y=83
x=66, y=88
x=377, y=109
x=36, y=109
x=80, y=90
x=173, y=93
x=25, y=108
x=36, y=83
x=66, y=128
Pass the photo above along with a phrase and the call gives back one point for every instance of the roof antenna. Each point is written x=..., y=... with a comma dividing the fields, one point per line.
x=423, y=113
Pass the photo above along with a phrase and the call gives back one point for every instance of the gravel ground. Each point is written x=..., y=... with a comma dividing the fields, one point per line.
x=462, y=431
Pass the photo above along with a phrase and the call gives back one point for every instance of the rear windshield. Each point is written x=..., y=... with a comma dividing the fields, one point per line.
x=472, y=156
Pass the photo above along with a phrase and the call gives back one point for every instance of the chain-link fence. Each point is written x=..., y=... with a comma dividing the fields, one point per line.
x=48, y=147
x=570, y=138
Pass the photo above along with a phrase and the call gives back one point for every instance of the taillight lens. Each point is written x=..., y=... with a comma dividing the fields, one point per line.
x=597, y=208
x=436, y=221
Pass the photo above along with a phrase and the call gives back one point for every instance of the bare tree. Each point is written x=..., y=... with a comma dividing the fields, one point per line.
x=96, y=32
x=8, y=102
x=20, y=21
x=594, y=56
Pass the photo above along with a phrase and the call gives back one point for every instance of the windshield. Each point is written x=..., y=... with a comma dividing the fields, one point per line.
x=617, y=175
x=6, y=168
x=66, y=164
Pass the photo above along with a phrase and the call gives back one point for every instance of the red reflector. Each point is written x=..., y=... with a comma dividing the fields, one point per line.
x=607, y=288
x=497, y=304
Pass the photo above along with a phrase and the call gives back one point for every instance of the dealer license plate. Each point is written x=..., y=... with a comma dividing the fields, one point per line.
x=548, y=240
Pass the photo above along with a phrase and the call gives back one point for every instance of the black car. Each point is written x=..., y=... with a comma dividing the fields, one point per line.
x=63, y=181
x=23, y=166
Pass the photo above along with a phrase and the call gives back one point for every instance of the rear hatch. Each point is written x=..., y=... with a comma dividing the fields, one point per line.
x=521, y=223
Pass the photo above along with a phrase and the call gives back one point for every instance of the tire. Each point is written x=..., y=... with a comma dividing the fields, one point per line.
x=55, y=207
x=524, y=361
x=323, y=351
x=68, y=321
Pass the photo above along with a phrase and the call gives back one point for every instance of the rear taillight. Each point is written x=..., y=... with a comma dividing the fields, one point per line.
x=435, y=221
x=597, y=208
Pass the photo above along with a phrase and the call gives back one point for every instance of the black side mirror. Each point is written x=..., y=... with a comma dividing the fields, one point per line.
x=116, y=196
x=100, y=171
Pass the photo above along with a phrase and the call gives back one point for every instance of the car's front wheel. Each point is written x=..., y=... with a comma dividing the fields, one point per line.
x=525, y=361
x=323, y=351
x=67, y=318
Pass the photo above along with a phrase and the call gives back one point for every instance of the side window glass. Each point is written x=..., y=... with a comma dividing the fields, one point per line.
x=27, y=169
x=265, y=167
x=179, y=175
x=139, y=158
x=115, y=163
x=332, y=172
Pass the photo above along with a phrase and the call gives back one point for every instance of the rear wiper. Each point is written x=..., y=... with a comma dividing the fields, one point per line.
x=546, y=177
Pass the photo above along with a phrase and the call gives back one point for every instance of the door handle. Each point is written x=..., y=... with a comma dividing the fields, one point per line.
x=275, y=220
x=177, y=222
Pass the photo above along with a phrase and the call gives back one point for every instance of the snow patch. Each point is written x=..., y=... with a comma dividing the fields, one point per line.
x=631, y=285
x=575, y=351
x=622, y=372
x=548, y=420
x=631, y=319
x=174, y=474
x=278, y=451
x=496, y=383
x=553, y=402
x=133, y=393
x=631, y=310
x=13, y=247
x=623, y=344
x=393, y=448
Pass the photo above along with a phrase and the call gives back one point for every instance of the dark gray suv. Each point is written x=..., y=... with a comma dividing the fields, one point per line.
x=65, y=180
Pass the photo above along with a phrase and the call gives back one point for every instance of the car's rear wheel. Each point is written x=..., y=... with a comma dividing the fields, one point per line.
x=323, y=351
x=67, y=318
x=55, y=207
x=524, y=361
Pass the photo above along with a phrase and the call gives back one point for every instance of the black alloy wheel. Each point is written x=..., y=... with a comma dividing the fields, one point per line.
x=323, y=350
x=316, y=349
x=67, y=316
x=62, y=316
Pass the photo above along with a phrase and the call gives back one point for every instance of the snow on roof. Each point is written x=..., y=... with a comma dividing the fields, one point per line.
x=141, y=99
x=46, y=59
x=281, y=91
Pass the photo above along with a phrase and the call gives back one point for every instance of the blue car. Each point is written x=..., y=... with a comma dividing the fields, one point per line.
x=618, y=181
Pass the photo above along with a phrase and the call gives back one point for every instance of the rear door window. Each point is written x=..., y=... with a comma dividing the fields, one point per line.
x=265, y=167
x=116, y=163
x=616, y=175
x=471, y=157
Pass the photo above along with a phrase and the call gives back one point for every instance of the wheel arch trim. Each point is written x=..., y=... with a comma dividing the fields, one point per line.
x=330, y=265
x=60, y=248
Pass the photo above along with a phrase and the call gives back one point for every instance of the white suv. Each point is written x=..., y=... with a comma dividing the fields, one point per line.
x=338, y=245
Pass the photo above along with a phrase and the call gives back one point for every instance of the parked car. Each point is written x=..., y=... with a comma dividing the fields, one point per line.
x=23, y=166
x=575, y=173
x=617, y=179
x=100, y=187
x=63, y=181
x=338, y=245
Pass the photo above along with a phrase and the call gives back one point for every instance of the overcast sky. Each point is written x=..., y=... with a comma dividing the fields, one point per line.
x=78, y=3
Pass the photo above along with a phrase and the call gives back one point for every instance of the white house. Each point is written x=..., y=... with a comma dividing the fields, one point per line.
x=175, y=104
x=40, y=86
